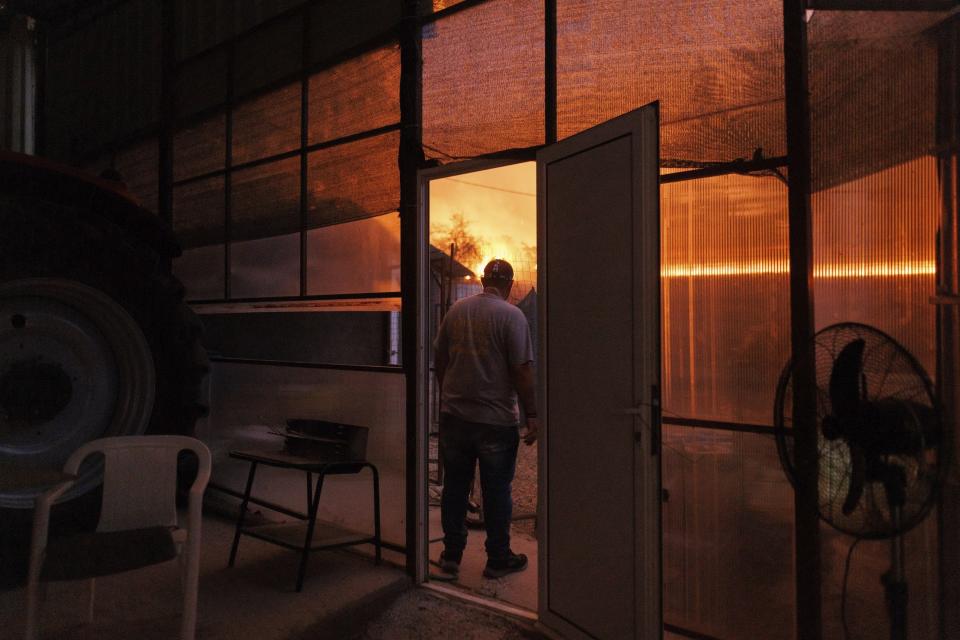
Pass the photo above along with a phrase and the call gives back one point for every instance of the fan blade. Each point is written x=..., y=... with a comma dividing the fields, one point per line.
x=858, y=478
x=845, y=384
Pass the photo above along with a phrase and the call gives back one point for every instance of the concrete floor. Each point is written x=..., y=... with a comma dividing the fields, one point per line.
x=254, y=600
x=518, y=589
x=345, y=597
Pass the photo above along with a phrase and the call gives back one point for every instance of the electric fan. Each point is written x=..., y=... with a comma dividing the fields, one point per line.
x=879, y=440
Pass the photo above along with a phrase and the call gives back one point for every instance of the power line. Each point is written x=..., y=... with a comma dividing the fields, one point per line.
x=487, y=186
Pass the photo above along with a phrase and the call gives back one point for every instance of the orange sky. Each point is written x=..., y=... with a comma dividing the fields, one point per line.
x=500, y=207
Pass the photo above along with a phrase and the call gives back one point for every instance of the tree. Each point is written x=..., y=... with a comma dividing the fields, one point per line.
x=469, y=246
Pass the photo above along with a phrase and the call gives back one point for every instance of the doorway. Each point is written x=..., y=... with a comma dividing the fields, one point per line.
x=598, y=569
x=474, y=213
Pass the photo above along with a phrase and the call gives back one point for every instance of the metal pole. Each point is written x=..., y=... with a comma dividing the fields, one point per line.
x=550, y=71
x=167, y=116
x=948, y=325
x=807, y=526
x=410, y=160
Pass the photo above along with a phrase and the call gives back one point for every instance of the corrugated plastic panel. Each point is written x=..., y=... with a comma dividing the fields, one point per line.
x=201, y=25
x=483, y=80
x=727, y=535
x=356, y=257
x=725, y=296
x=268, y=54
x=873, y=84
x=716, y=67
x=267, y=125
x=875, y=254
x=354, y=180
x=201, y=83
x=336, y=26
x=866, y=603
x=358, y=95
x=200, y=148
x=103, y=81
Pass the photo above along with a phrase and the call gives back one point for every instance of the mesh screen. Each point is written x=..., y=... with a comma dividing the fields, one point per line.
x=339, y=25
x=358, y=95
x=872, y=92
x=727, y=535
x=867, y=614
x=201, y=83
x=355, y=180
x=873, y=83
x=715, y=66
x=356, y=257
x=267, y=125
x=200, y=148
x=198, y=216
x=139, y=166
x=268, y=54
x=725, y=296
x=483, y=80
x=265, y=200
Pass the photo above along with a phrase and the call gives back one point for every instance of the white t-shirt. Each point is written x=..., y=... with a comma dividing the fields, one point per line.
x=482, y=337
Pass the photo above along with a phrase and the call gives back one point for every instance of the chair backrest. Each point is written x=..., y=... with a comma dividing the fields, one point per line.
x=140, y=478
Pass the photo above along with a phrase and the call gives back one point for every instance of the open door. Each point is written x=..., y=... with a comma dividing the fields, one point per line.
x=599, y=295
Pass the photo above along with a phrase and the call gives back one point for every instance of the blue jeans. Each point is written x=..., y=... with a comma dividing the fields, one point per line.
x=462, y=444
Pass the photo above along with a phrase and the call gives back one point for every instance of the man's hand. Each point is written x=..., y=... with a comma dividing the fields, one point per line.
x=533, y=428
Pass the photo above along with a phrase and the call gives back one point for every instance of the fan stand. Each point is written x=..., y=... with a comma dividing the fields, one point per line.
x=895, y=580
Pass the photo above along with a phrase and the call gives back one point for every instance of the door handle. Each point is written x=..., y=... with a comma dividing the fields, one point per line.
x=655, y=416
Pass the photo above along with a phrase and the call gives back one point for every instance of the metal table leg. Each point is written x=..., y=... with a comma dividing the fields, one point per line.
x=243, y=514
x=376, y=510
x=308, y=541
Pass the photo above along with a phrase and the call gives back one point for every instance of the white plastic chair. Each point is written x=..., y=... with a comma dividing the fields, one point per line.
x=139, y=492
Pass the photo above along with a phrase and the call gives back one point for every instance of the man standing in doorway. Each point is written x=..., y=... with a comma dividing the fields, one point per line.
x=483, y=360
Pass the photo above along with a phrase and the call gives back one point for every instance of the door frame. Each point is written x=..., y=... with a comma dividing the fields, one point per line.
x=422, y=546
x=647, y=505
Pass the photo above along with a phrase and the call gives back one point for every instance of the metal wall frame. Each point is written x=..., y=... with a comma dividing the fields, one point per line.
x=411, y=160
x=228, y=107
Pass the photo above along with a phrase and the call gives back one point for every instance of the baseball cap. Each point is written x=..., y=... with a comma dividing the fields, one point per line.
x=498, y=269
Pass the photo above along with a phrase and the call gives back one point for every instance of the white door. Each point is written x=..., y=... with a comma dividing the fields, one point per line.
x=599, y=294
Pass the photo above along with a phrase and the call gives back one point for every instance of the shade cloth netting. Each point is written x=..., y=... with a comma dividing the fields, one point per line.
x=716, y=67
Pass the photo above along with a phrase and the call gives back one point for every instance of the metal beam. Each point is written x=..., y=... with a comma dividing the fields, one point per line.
x=168, y=20
x=410, y=160
x=882, y=5
x=948, y=322
x=550, y=71
x=806, y=522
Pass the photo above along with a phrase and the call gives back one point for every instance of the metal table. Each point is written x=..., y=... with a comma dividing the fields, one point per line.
x=309, y=535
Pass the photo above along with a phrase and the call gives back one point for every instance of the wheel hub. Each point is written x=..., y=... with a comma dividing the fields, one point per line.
x=74, y=366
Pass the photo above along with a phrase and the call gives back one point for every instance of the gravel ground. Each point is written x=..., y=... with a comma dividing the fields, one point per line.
x=418, y=614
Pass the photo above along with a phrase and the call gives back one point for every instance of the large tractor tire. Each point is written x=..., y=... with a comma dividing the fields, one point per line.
x=95, y=338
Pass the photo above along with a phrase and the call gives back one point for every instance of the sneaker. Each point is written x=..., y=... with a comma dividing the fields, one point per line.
x=497, y=568
x=449, y=564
